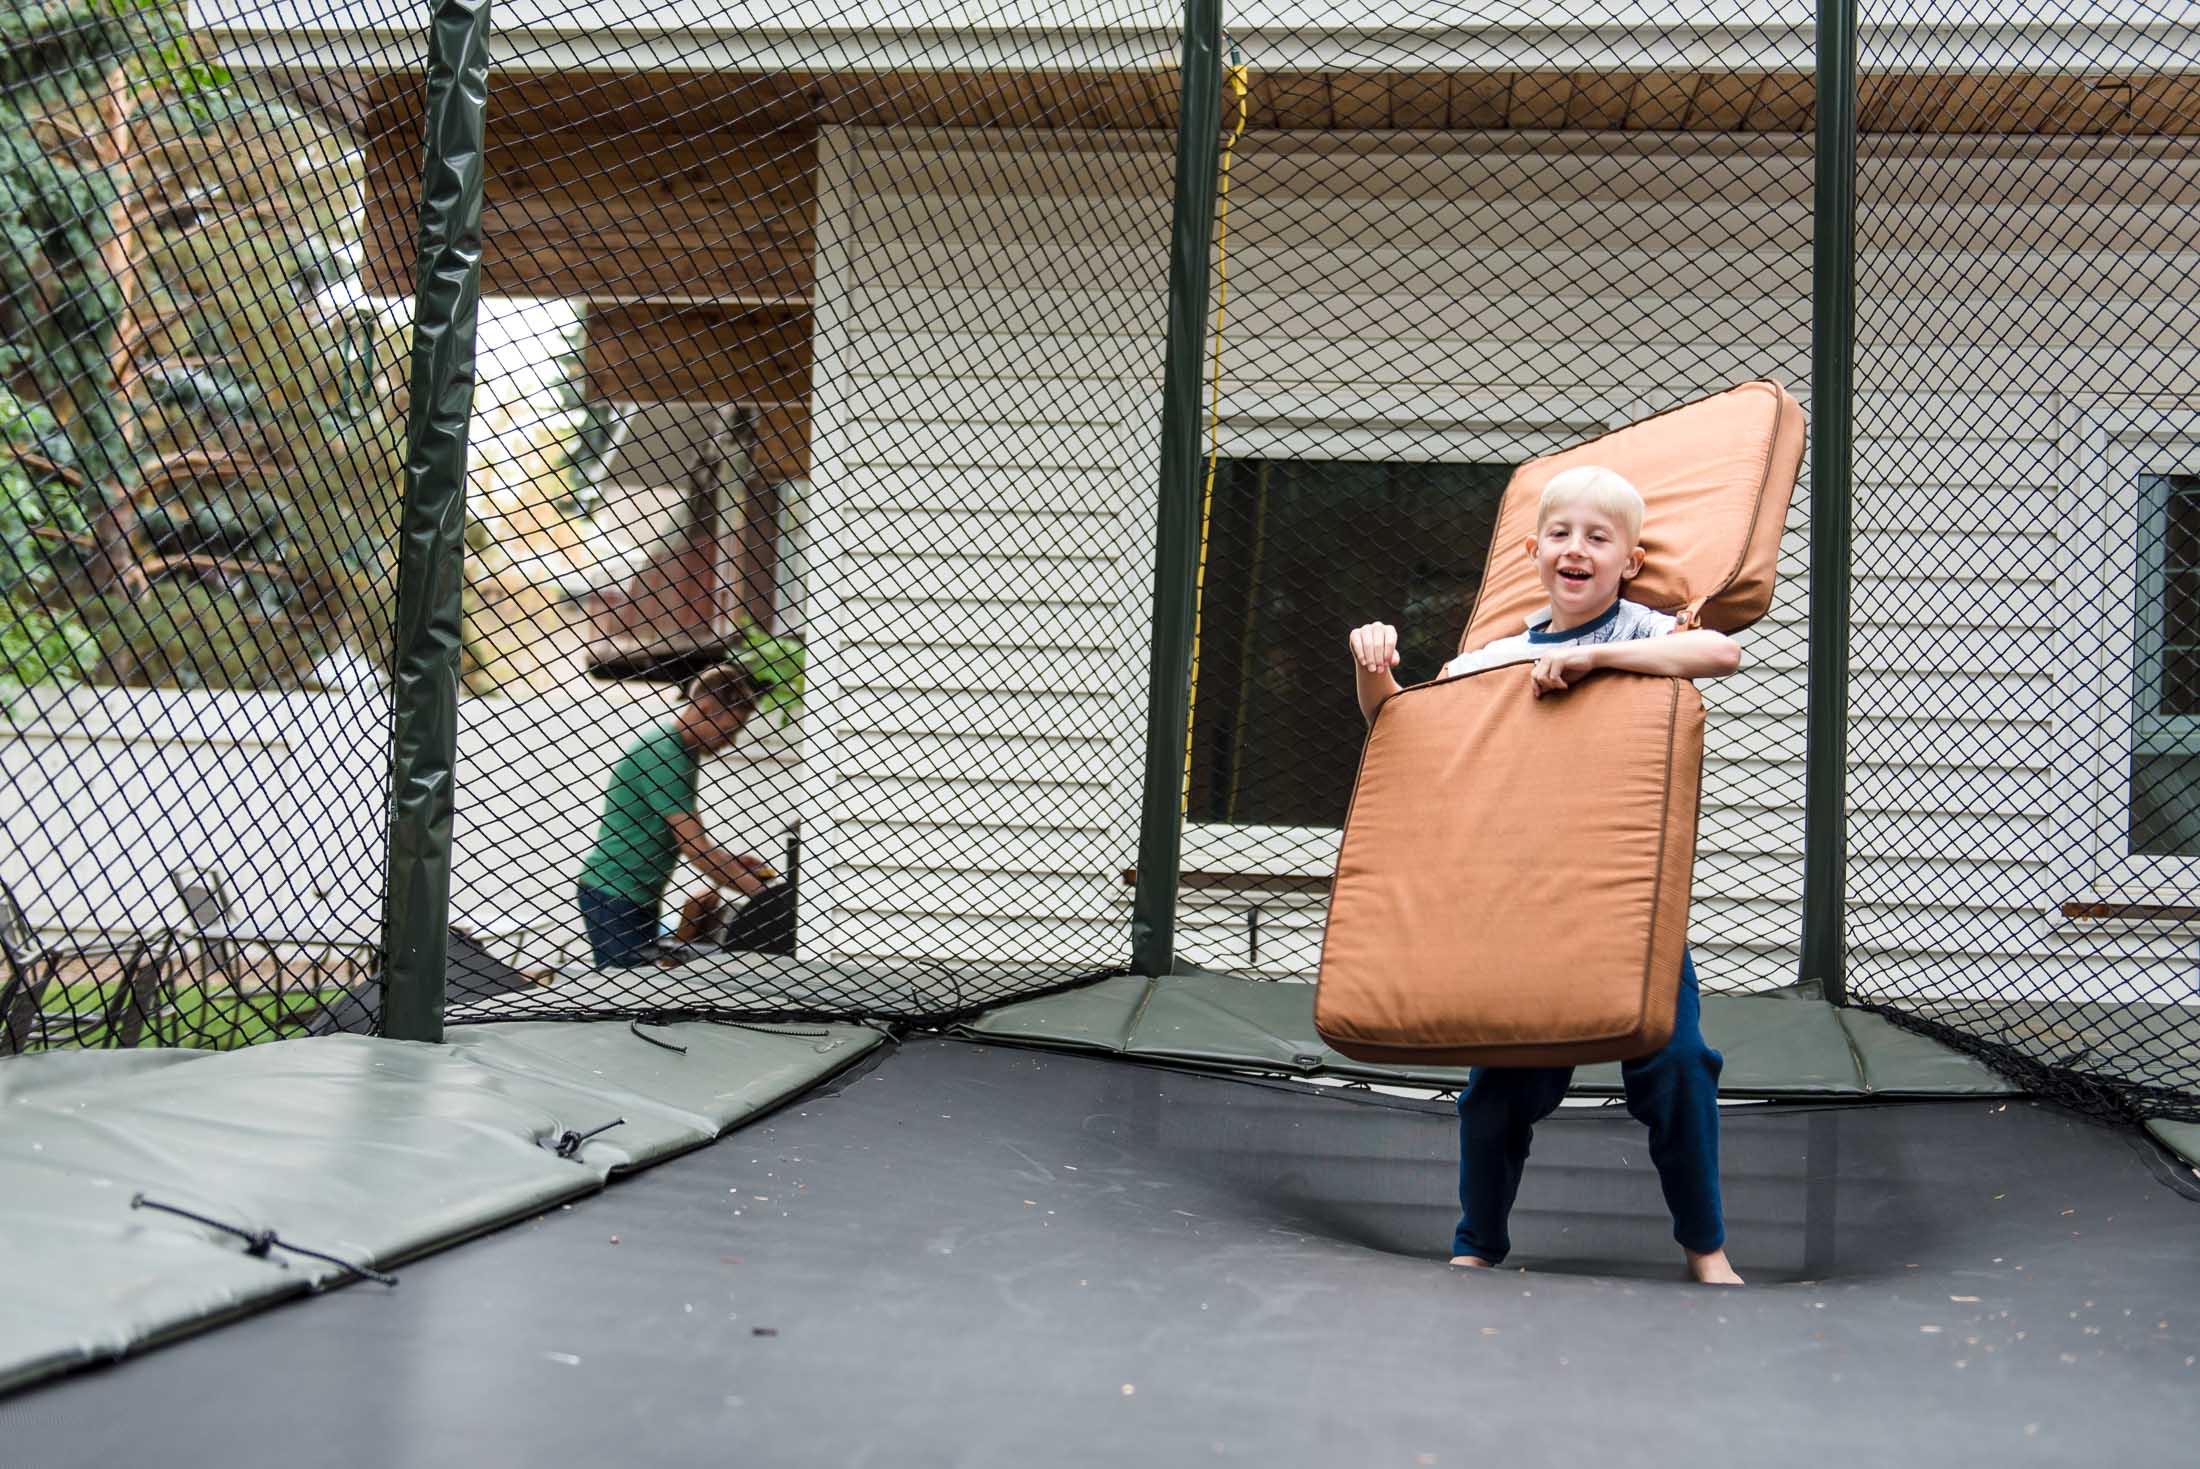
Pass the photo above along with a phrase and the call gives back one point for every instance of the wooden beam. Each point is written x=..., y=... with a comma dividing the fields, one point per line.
x=1660, y=100
x=1420, y=102
x=1540, y=100
x=2153, y=912
x=1480, y=100
x=698, y=354
x=701, y=106
x=589, y=216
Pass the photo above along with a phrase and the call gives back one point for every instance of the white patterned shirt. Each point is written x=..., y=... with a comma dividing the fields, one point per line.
x=1622, y=622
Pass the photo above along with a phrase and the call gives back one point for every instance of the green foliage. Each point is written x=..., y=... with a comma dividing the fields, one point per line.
x=31, y=501
x=265, y=402
x=37, y=643
x=185, y=634
x=54, y=48
x=59, y=306
x=775, y=664
x=40, y=646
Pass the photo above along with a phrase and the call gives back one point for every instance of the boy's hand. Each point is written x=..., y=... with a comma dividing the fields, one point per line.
x=1561, y=671
x=1375, y=647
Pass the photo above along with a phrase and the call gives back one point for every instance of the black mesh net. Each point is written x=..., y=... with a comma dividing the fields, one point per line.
x=1449, y=249
x=204, y=419
x=820, y=356
x=2024, y=790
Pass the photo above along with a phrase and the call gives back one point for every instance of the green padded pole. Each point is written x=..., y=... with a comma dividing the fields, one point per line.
x=1176, y=533
x=1832, y=393
x=431, y=529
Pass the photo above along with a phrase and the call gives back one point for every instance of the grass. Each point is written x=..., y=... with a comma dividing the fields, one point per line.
x=184, y=1015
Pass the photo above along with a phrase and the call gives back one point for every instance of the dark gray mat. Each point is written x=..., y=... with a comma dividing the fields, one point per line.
x=978, y=1255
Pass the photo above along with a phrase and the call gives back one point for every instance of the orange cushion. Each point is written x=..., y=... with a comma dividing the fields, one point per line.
x=1715, y=477
x=1513, y=884
x=1512, y=889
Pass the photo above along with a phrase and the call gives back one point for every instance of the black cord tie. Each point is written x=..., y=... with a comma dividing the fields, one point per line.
x=258, y=1243
x=569, y=1142
x=806, y=1035
x=635, y=1026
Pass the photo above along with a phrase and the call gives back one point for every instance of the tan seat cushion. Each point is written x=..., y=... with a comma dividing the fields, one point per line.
x=1512, y=889
x=1715, y=476
x=1513, y=885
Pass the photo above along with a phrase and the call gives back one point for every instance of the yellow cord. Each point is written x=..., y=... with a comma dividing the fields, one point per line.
x=1234, y=77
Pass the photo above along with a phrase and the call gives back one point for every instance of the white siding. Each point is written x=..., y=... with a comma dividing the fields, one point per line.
x=983, y=491
x=1498, y=293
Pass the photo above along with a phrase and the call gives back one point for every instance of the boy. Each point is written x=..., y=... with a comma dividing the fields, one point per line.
x=649, y=822
x=1585, y=549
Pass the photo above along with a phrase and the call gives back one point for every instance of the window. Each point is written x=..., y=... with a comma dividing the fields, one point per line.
x=2164, y=807
x=1300, y=551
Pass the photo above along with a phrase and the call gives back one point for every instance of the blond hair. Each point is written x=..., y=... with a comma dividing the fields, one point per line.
x=1600, y=489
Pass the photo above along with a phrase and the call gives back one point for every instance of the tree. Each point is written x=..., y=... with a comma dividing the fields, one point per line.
x=179, y=299
x=269, y=399
x=60, y=303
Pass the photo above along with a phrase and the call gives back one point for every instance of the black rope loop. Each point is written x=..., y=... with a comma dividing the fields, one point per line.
x=259, y=1242
x=635, y=1028
x=569, y=1142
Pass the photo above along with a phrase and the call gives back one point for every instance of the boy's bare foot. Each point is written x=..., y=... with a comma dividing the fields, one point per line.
x=1472, y=1262
x=1711, y=1269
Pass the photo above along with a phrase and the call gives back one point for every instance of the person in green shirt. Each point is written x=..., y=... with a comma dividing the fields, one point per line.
x=649, y=822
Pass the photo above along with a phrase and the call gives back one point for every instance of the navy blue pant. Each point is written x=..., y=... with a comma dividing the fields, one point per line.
x=621, y=932
x=1675, y=1092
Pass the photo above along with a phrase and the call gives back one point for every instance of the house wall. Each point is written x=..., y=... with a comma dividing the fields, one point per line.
x=980, y=526
x=1485, y=294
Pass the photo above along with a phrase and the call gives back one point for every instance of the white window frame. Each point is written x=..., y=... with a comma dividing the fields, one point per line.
x=1402, y=425
x=2129, y=450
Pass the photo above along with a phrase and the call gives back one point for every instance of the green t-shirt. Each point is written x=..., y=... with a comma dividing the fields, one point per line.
x=635, y=851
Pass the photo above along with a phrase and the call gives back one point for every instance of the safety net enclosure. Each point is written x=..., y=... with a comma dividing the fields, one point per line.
x=405, y=402
x=578, y=574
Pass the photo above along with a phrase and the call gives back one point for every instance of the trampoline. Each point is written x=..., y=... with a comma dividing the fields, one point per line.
x=866, y=351
x=965, y=1253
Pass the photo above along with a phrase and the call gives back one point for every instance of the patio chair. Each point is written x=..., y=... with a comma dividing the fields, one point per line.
x=253, y=963
x=33, y=966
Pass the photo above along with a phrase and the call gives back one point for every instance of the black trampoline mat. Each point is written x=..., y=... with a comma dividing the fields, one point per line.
x=975, y=1255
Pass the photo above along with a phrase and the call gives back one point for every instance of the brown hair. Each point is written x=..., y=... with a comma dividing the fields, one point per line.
x=726, y=686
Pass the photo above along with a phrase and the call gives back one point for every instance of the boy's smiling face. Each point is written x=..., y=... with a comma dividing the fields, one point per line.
x=1582, y=555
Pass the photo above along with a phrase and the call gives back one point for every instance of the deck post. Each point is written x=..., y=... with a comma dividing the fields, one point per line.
x=431, y=529
x=1177, y=527
x=1832, y=394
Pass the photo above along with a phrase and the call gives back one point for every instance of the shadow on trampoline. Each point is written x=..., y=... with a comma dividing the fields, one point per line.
x=1373, y=1172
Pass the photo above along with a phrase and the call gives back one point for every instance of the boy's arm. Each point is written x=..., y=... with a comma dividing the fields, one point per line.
x=1700, y=653
x=1373, y=689
x=727, y=869
x=1374, y=654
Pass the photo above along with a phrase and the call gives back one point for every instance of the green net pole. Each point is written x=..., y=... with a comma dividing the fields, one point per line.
x=1833, y=319
x=424, y=744
x=1176, y=537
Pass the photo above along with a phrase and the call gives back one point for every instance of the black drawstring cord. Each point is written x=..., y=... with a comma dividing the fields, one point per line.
x=258, y=1243
x=635, y=1026
x=806, y=1035
x=569, y=1141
